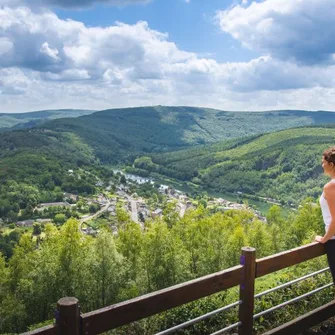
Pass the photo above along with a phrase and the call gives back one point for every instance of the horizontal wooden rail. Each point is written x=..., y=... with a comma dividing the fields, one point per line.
x=48, y=330
x=286, y=259
x=132, y=310
x=121, y=314
x=306, y=321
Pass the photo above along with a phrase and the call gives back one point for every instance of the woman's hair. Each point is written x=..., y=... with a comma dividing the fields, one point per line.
x=329, y=155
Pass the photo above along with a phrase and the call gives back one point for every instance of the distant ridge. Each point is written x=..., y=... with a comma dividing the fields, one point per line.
x=119, y=134
x=30, y=119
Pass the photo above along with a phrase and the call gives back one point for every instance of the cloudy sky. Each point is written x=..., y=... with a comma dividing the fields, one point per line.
x=231, y=55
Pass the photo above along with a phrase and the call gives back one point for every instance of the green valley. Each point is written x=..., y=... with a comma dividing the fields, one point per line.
x=65, y=214
x=281, y=165
x=284, y=165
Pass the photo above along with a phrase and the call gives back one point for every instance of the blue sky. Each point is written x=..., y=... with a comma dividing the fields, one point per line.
x=238, y=55
x=190, y=25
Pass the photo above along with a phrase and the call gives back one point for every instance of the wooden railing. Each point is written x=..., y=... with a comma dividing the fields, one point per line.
x=70, y=322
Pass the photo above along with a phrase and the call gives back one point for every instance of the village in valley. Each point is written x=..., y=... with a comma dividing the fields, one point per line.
x=141, y=199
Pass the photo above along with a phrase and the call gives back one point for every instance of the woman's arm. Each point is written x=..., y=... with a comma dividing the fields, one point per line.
x=329, y=193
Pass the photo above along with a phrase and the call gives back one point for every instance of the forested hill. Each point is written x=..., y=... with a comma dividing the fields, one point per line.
x=27, y=120
x=284, y=165
x=120, y=133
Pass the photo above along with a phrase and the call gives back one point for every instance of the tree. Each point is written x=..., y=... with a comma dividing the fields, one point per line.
x=106, y=267
x=93, y=208
x=123, y=179
x=170, y=213
x=122, y=216
x=165, y=260
x=130, y=244
x=60, y=219
x=37, y=229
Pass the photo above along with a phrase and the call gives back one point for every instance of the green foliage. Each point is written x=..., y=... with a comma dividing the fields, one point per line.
x=284, y=165
x=40, y=166
x=37, y=229
x=60, y=218
x=118, y=135
x=111, y=268
x=28, y=120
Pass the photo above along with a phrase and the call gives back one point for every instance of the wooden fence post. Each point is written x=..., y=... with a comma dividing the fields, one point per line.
x=68, y=318
x=247, y=291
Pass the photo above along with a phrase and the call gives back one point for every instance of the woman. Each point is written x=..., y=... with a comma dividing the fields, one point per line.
x=327, y=202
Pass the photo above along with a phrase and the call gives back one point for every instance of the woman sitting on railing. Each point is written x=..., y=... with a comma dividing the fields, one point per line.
x=327, y=202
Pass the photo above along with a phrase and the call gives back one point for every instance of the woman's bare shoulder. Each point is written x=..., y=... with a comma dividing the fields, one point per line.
x=330, y=188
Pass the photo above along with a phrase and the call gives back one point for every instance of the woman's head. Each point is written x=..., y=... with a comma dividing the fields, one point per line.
x=328, y=161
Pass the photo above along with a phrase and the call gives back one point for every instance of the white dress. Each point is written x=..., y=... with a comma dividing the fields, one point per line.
x=327, y=218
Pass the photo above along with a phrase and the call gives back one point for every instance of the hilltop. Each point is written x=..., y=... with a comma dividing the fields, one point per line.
x=117, y=135
x=30, y=119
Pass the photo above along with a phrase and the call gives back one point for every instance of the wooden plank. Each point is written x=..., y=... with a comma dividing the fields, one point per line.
x=48, y=330
x=285, y=259
x=112, y=317
x=68, y=320
x=305, y=321
x=247, y=291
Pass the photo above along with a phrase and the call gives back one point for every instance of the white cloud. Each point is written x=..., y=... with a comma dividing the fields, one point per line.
x=13, y=82
x=44, y=58
x=52, y=53
x=69, y=3
x=295, y=30
x=6, y=45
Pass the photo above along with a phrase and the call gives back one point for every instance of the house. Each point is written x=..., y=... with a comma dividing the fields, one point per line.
x=102, y=200
x=99, y=184
x=156, y=213
x=26, y=223
x=90, y=231
x=44, y=220
x=183, y=197
x=53, y=204
x=71, y=196
x=111, y=211
x=163, y=189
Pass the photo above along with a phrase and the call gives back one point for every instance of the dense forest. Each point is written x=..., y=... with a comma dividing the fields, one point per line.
x=34, y=163
x=108, y=269
x=118, y=135
x=284, y=165
x=34, y=168
x=27, y=120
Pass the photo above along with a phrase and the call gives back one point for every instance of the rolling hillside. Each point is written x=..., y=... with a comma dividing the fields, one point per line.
x=117, y=135
x=28, y=120
x=284, y=165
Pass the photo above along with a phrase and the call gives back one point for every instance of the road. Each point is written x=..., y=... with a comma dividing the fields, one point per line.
x=182, y=209
x=90, y=217
x=134, y=214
